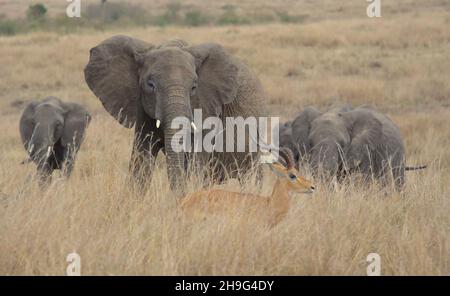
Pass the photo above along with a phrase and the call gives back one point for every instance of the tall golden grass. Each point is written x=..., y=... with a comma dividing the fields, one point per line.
x=398, y=63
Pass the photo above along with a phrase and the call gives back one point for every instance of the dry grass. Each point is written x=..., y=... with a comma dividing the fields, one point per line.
x=399, y=63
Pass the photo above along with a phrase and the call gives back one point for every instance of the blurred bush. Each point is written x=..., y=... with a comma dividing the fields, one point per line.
x=231, y=17
x=106, y=14
x=288, y=18
x=112, y=12
x=36, y=11
x=196, y=18
x=9, y=27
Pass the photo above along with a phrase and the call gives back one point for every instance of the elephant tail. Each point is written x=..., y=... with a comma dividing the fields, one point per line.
x=414, y=168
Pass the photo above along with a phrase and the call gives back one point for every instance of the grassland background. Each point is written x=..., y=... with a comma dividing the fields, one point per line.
x=336, y=54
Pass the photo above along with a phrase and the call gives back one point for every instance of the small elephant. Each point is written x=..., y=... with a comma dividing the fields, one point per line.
x=344, y=141
x=148, y=86
x=298, y=142
x=300, y=130
x=52, y=132
x=285, y=139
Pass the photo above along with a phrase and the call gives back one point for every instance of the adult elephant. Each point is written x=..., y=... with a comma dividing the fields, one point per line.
x=342, y=141
x=147, y=86
x=52, y=132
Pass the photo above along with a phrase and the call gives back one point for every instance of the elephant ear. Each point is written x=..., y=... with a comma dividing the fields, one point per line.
x=27, y=124
x=301, y=127
x=217, y=77
x=112, y=75
x=76, y=120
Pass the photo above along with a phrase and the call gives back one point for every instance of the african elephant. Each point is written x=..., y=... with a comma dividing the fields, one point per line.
x=52, y=132
x=300, y=130
x=361, y=139
x=147, y=86
x=285, y=139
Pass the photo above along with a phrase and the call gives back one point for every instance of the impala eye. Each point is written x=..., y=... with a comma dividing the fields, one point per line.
x=292, y=176
x=151, y=85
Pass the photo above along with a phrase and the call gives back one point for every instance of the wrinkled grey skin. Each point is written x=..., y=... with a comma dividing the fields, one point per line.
x=328, y=140
x=286, y=140
x=357, y=140
x=377, y=148
x=60, y=126
x=300, y=130
x=140, y=83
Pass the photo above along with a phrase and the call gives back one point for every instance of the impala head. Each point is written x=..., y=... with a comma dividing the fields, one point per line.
x=285, y=169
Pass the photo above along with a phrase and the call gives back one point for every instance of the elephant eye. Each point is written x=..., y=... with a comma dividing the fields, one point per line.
x=194, y=87
x=151, y=85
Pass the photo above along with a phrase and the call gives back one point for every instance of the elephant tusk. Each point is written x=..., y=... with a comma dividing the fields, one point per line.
x=31, y=148
x=158, y=123
x=49, y=151
x=193, y=126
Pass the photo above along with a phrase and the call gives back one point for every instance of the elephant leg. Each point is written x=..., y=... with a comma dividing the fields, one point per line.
x=395, y=175
x=196, y=167
x=248, y=167
x=147, y=144
x=44, y=175
x=69, y=160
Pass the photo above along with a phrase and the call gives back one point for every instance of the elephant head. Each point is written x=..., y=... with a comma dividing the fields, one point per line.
x=366, y=133
x=51, y=129
x=301, y=127
x=345, y=140
x=286, y=139
x=329, y=139
x=165, y=81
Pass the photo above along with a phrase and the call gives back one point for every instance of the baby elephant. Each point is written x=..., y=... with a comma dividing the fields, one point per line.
x=285, y=140
x=361, y=140
x=52, y=132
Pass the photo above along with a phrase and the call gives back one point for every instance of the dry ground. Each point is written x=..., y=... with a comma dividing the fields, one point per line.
x=400, y=63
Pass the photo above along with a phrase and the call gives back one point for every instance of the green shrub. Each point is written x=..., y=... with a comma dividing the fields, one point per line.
x=230, y=17
x=9, y=27
x=109, y=12
x=36, y=11
x=170, y=16
x=195, y=18
x=288, y=18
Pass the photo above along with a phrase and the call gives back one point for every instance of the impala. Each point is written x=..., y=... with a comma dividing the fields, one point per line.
x=275, y=206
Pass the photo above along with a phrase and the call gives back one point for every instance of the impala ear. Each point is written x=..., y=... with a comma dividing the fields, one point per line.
x=112, y=75
x=284, y=163
x=278, y=168
x=217, y=77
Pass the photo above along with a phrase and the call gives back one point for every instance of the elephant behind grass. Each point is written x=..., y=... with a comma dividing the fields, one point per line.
x=52, y=132
x=343, y=141
x=148, y=86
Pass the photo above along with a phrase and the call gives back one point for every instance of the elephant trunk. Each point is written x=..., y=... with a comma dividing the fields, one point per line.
x=40, y=150
x=41, y=146
x=176, y=107
x=325, y=160
x=175, y=162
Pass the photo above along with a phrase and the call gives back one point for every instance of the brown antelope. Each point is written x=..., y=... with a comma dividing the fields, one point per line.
x=275, y=206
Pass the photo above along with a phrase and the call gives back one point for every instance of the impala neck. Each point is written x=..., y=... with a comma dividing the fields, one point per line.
x=279, y=199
